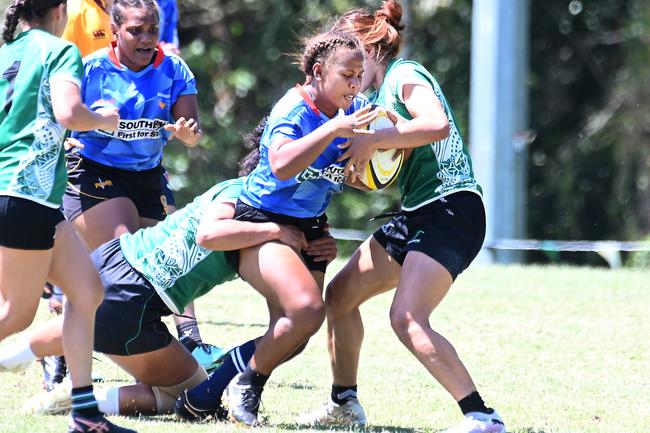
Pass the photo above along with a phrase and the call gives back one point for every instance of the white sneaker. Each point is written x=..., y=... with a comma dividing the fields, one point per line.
x=55, y=402
x=478, y=422
x=349, y=413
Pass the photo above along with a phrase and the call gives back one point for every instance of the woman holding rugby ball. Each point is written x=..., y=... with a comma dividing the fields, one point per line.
x=435, y=236
x=293, y=183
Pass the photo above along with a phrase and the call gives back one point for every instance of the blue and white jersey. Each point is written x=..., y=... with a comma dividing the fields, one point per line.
x=144, y=99
x=307, y=194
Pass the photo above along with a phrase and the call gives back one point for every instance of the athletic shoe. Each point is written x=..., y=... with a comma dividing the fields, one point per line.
x=349, y=413
x=98, y=424
x=209, y=356
x=478, y=422
x=54, y=402
x=186, y=411
x=54, y=371
x=244, y=401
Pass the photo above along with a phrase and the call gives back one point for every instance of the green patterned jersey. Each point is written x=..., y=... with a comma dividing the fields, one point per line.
x=168, y=256
x=31, y=141
x=436, y=169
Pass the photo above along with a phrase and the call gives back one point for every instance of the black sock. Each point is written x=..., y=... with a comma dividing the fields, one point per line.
x=252, y=377
x=84, y=403
x=189, y=335
x=342, y=394
x=473, y=403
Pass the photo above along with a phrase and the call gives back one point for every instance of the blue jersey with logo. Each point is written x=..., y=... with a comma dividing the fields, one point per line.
x=307, y=194
x=144, y=99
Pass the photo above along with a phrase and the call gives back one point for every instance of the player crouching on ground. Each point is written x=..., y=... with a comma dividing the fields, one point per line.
x=155, y=272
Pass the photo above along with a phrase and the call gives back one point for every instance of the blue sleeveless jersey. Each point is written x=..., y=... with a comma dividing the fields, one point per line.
x=144, y=99
x=307, y=194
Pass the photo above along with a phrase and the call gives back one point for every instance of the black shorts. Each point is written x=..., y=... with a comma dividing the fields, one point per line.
x=311, y=227
x=128, y=321
x=450, y=230
x=90, y=183
x=27, y=225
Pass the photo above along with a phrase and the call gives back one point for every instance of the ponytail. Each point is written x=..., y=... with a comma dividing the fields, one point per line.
x=26, y=10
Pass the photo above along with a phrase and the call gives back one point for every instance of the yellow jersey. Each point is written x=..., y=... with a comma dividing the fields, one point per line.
x=89, y=26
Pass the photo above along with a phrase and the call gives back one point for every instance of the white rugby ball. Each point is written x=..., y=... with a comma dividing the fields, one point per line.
x=384, y=166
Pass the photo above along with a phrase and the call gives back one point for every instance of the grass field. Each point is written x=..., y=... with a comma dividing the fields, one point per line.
x=554, y=349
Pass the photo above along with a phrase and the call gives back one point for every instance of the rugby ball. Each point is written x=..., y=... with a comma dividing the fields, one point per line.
x=384, y=166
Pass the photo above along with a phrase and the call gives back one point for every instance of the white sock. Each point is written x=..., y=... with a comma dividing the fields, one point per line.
x=17, y=356
x=108, y=401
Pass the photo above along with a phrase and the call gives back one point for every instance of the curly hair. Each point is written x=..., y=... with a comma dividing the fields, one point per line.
x=26, y=10
x=380, y=30
x=319, y=48
x=252, y=142
x=117, y=11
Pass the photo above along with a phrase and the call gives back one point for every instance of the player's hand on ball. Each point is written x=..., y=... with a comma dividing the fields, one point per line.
x=355, y=123
x=186, y=130
x=359, y=151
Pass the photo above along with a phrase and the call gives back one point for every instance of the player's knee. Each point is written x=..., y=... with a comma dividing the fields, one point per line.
x=309, y=315
x=87, y=296
x=336, y=300
x=402, y=321
x=166, y=395
x=13, y=320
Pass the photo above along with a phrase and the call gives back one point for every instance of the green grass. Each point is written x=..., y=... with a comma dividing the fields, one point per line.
x=554, y=349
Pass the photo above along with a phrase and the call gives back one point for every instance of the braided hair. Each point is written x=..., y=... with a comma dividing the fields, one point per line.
x=380, y=30
x=319, y=48
x=26, y=10
x=117, y=11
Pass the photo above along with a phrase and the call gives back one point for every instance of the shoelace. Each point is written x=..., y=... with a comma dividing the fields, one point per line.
x=251, y=399
x=92, y=427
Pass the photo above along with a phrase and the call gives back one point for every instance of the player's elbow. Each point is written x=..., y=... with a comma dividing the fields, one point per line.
x=280, y=170
x=439, y=128
x=66, y=118
x=204, y=238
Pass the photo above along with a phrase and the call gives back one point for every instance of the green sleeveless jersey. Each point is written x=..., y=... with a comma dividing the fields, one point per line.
x=436, y=169
x=31, y=141
x=168, y=256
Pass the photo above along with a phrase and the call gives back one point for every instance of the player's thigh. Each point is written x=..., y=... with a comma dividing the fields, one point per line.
x=423, y=285
x=279, y=274
x=369, y=272
x=107, y=220
x=167, y=366
x=72, y=269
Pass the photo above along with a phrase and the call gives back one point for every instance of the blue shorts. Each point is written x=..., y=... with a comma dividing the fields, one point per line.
x=27, y=225
x=450, y=230
x=128, y=321
x=90, y=183
x=313, y=228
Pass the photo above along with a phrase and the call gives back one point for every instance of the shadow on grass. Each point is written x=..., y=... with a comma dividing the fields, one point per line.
x=235, y=325
x=526, y=430
x=295, y=385
x=371, y=429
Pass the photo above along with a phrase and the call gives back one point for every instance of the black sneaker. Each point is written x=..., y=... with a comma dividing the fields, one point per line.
x=79, y=424
x=54, y=371
x=244, y=401
x=186, y=411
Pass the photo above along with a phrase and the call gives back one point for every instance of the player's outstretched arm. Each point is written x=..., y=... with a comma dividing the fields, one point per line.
x=218, y=231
